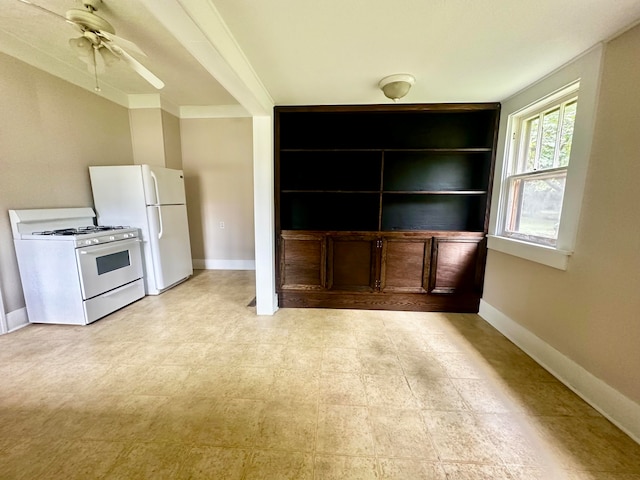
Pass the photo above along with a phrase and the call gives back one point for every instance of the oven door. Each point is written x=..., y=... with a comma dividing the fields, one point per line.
x=108, y=266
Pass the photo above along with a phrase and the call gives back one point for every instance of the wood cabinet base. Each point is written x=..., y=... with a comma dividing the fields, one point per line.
x=462, y=303
x=412, y=271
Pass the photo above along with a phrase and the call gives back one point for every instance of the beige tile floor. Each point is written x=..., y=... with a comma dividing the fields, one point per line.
x=192, y=384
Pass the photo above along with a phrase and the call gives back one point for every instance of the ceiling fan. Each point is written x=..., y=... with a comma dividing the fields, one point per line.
x=98, y=44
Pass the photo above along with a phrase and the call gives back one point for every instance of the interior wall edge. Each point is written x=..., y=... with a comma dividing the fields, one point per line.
x=17, y=319
x=4, y=327
x=613, y=405
x=263, y=215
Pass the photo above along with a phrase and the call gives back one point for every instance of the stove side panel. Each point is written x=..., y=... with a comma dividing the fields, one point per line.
x=50, y=281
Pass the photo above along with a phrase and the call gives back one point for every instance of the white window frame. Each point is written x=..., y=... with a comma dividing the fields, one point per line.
x=516, y=154
x=584, y=70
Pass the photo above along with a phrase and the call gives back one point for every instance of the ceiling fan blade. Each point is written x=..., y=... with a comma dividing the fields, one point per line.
x=136, y=66
x=41, y=8
x=122, y=42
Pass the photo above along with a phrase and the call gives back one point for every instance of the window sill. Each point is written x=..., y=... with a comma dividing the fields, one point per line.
x=549, y=256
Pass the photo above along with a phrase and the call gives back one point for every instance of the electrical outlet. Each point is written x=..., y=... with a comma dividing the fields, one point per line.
x=221, y=224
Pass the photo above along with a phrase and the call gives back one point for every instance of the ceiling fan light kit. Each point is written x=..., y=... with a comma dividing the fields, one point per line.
x=396, y=86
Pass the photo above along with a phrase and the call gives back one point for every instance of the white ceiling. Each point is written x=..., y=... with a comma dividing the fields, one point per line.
x=331, y=51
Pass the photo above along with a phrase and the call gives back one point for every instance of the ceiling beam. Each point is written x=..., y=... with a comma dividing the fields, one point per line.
x=198, y=26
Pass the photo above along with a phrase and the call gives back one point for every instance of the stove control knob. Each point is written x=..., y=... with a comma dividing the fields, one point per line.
x=88, y=242
x=112, y=237
x=95, y=240
x=126, y=235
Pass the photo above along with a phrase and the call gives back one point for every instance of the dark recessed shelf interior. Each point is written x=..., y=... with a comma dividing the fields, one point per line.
x=433, y=212
x=329, y=211
x=341, y=170
x=384, y=168
x=420, y=171
x=390, y=129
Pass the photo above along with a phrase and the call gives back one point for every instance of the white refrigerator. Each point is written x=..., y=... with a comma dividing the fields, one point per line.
x=152, y=199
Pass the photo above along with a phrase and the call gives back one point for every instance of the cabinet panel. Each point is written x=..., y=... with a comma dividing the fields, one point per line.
x=455, y=265
x=302, y=260
x=405, y=265
x=352, y=263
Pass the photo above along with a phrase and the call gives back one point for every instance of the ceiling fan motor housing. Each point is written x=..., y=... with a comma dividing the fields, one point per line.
x=87, y=20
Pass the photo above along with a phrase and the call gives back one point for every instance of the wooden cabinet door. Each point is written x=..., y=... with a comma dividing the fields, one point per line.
x=405, y=265
x=456, y=265
x=302, y=261
x=352, y=262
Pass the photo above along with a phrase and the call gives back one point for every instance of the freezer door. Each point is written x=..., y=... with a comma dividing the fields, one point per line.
x=169, y=242
x=163, y=186
x=118, y=195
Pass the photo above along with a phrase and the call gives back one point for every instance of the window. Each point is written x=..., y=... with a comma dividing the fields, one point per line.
x=536, y=170
x=526, y=169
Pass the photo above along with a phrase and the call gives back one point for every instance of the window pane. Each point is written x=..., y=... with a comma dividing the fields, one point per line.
x=535, y=206
x=532, y=144
x=567, y=133
x=532, y=193
x=549, y=136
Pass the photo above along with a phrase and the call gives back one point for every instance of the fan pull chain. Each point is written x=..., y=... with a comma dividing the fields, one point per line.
x=95, y=69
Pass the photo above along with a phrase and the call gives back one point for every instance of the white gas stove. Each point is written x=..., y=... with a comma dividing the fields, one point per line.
x=72, y=271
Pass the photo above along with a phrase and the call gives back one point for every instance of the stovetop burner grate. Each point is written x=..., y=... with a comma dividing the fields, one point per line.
x=80, y=230
x=100, y=228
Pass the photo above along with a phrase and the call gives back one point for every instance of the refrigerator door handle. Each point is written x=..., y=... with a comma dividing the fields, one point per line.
x=160, y=229
x=155, y=186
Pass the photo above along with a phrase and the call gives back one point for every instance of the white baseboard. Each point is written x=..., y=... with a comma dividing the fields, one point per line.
x=17, y=319
x=213, y=264
x=616, y=407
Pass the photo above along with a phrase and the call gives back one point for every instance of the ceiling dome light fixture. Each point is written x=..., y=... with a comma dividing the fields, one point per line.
x=396, y=86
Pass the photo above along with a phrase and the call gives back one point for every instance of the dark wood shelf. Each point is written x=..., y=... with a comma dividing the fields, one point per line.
x=383, y=206
x=330, y=191
x=442, y=150
x=428, y=150
x=434, y=192
x=396, y=192
x=302, y=150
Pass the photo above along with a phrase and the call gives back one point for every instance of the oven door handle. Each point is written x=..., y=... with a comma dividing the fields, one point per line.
x=116, y=290
x=106, y=247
